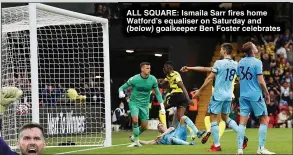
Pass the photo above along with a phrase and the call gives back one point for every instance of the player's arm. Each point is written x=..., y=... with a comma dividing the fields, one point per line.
x=196, y=68
x=263, y=86
x=167, y=131
x=163, y=134
x=126, y=85
x=287, y=45
x=263, y=39
x=261, y=81
x=151, y=142
x=162, y=81
x=208, y=80
x=276, y=39
x=5, y=149
x=181, y=85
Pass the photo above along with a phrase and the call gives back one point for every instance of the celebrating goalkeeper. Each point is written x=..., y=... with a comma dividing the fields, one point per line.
x=141, y=84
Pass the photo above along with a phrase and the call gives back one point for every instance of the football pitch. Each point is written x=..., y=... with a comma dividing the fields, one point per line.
x=279, y=140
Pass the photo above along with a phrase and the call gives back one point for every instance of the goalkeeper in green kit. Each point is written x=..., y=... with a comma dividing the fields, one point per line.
x=142, y=84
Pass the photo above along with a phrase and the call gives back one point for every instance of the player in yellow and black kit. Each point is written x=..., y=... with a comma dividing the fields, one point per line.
x=178, y=94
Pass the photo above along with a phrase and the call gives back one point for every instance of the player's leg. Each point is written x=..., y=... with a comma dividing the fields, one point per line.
x=245, y=109
x=175, y=100
x=222, y=126
x=134, y=111
x=225, y=116
x=180, y=112
x=207, y=123
x=144, y=117
x=180, y=133
x=260, y=110
x=191, y=115
x=214, y=110
x=178, y=141
x=187, y=121
x=178, y=100
x=230, y=122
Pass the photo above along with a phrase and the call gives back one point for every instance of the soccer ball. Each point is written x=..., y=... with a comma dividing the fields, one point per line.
x=22, y=109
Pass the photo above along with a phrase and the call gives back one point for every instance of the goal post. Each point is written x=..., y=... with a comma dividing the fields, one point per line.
x=60, y=59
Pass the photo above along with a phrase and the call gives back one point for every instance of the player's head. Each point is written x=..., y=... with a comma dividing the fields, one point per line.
x=161, y=128
x=31, y=139
x=226, y=49
x=249, y=49
x=168, y=67
x=145, y=68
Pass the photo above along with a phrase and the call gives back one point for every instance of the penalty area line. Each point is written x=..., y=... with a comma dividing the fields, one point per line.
x=96, y=148
x=82, y=150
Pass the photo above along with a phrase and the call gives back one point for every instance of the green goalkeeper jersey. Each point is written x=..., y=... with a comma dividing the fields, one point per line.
x=141, y=89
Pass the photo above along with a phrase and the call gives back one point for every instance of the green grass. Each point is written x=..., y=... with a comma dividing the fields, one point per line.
x=278, y=140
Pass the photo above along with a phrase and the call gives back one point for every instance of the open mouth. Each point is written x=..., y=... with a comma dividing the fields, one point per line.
x=32, y=150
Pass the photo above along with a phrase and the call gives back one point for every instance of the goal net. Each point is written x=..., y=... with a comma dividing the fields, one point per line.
x=60, y=59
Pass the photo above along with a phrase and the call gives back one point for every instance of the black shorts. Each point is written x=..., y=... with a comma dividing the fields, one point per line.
x=178, y=100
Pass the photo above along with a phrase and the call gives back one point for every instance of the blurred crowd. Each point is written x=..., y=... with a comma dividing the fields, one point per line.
x=108, y=10
x=276, y=54
x=51, y=94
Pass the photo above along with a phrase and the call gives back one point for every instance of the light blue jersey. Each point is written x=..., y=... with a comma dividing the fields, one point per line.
x=248, y=70
x=180, y=132
x=225, y=71
x=167, y=138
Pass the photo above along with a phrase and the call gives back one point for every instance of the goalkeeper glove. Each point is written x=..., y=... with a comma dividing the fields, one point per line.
x=163, y=111
x=121, y=94
x=9, y=95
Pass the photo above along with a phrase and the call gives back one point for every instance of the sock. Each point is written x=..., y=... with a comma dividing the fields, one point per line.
x=232, y=124
x=141, y=130
x=135, y=130
x=162, y=118
x=190, y=131
x=207, y=123
x=262, y=133
x=215, y=133
x=191, y=125
x=222, y=127
x=178, y=141
x=240, y=135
